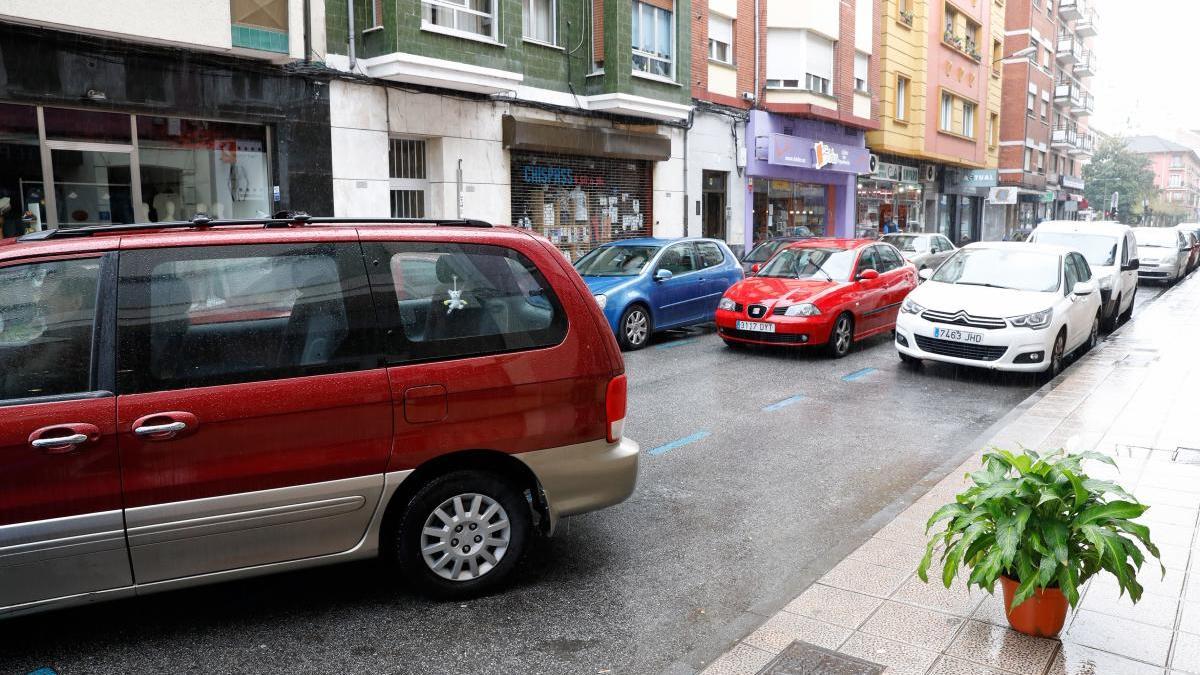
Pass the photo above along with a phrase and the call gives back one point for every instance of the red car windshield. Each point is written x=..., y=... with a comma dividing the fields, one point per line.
x=833, y=264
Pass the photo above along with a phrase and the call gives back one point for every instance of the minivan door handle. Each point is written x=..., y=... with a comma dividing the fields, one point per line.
x=63, y=438
x=164, y=426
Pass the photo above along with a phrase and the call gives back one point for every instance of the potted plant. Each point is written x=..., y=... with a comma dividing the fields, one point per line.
x=1038, y=524
x=907, y=17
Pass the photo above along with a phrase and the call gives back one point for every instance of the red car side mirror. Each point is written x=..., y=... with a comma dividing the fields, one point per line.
x=868, y=275
x=755, y=268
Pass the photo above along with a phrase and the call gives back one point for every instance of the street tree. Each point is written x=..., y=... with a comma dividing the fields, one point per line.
x=1114, y=168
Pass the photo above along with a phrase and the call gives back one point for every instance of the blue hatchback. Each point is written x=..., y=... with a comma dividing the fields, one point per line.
x=646, y=285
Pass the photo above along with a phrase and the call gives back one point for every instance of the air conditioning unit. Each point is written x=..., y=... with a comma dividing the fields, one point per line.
x=929, y=173
x=873, y=164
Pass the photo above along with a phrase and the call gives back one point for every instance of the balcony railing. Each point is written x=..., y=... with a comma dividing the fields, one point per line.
x=1067, y=93
x=1086, y=65
x=1069, y=48
x=1064, y=137
x=1084, y=145
x=1087, y=25
x=1084, y=105
x=1069, y=9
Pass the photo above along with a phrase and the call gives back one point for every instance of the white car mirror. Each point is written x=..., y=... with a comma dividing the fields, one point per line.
x=925, y=274
x=1084, y=288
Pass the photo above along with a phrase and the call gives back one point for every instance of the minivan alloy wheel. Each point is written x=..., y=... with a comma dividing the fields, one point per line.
x=465, y=537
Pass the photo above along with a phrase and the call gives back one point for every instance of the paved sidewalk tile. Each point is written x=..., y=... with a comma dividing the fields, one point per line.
x=834, y=605
x=1156, y=610
x=861, y=577
x=741, y=660
x=948, y=665
x=956, y=600
x=1187, y=654
x=900, y=659
x=891, y=554
x=1074, y=659
x=780, y=630
x=1135, y=640
x=1002, y=648
x=916, y=626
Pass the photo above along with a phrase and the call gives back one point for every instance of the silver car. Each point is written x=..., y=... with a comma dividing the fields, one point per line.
x=926, y=250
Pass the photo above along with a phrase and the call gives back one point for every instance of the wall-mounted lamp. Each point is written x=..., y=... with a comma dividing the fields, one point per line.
x=95, y=95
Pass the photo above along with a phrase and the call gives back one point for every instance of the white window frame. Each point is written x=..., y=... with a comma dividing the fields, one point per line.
x=946, y=112
x=530, y=6
x=713, y=43
x=902, y=97
x=458, y=8
x=396, y=184
x=969, y=110
x=652, y=57
x=862, y=85
x=817, y=83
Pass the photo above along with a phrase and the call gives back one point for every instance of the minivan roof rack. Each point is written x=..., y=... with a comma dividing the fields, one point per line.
x=283, y=219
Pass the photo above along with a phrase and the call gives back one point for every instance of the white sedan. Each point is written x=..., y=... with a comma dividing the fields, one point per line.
x=1004, y=306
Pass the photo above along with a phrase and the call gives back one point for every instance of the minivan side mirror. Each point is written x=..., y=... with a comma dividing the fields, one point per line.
x=1132, y=266
x=925, y=274
x=663, y=275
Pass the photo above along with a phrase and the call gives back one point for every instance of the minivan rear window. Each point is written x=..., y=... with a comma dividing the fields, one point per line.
x=444, y=300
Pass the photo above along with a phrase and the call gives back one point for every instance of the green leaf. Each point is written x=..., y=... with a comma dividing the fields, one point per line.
x=953, y=556
x=1110, y=510
x=1055, y=533
x=923, y=567
x=1096, y=486
x=944, y=512
x=1047, y=568
x=1009, y=531
x=1081, y=493
x=1068, y=584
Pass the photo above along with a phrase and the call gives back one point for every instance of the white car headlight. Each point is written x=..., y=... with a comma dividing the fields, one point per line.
x=1036, y=320
x=601, y=300
x=727, y=304
x=910, y=307
x=802, y=309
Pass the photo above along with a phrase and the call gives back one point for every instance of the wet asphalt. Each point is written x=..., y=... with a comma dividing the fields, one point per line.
x=760, y=470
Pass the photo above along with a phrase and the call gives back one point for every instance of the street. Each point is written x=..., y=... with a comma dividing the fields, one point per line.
x=759, y=469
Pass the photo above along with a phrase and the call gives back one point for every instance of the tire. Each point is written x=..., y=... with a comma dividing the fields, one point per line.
x=734, y=345
x=909, y=360
x=476, y=501
x=1110, y=323
x=1057, y=356
x=1094, y=336
x=633, y=331
x=1128, y=314
x=841, y=337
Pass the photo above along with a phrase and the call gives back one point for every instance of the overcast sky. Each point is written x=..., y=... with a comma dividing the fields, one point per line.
x=1146, y=82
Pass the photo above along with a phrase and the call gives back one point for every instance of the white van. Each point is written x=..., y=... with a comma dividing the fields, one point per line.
x=1111, y=250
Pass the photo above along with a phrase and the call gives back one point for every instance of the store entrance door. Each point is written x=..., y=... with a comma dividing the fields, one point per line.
x=94, y=183
x=713, y=206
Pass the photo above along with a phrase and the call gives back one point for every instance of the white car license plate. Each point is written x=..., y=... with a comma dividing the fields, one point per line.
x=957, y=335
x=756, y=326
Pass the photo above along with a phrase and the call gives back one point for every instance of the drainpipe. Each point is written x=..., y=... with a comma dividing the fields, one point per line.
x=757, y=50
x=459, y=186
x=307, y=32
x=350, y=31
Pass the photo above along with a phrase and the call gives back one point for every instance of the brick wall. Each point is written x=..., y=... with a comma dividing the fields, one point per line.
x=699, y=18
x=843, y=57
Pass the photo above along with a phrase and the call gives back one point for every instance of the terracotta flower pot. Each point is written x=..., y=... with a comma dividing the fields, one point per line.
x=1042, y=615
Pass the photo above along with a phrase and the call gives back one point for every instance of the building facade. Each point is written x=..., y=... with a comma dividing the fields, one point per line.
x=1045, y=141
x=128, y=112
x=938, y=142
x=564, y=117
x=1176, y=175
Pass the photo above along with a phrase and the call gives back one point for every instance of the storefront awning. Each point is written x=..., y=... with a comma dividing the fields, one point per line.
x=572, y=139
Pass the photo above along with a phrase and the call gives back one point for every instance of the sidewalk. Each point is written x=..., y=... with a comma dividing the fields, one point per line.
x=1136, y=397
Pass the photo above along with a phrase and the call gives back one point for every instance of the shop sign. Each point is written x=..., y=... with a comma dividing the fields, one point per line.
x=540, y=174
x=888, y=171
x=1072, y=182
x=971, y=178
x=1002, y=195
x=808, y=153
x=910, y=174
x=1048, y=197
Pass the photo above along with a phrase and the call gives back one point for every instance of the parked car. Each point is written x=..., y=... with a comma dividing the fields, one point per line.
x=763, y=251
x=1111, y=250
x=1192, y=232
x=924, y=250
x=184, y=405
x=827, y=292
x=1003, y=306
x=1164, y=253
x=649, y=285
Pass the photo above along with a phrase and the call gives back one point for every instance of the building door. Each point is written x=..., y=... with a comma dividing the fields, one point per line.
x=713, y=206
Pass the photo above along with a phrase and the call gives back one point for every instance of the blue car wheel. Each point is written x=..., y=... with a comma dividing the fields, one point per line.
x=634, y=328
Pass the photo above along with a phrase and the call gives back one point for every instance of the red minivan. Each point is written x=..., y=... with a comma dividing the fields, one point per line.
x=186, y=403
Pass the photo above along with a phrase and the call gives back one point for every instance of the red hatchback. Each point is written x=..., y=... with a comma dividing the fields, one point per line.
x=192, y=402
x=827, y=292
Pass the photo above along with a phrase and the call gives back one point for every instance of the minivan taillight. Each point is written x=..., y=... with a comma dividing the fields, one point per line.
x=614, y=405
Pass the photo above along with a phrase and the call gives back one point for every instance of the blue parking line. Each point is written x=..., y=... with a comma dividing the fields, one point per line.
x=857, y=375
x=676, y=343
x=779, y=405
x=698, y=436
x=44, y=671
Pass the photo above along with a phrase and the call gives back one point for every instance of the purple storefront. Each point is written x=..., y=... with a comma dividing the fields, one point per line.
x=802, y=177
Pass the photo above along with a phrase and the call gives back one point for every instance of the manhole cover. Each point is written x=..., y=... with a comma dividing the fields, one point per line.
x=802, y=658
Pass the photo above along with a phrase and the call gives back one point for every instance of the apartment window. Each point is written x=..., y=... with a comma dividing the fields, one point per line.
x=1041, y=162
x=409, y=177
x=904, y=12
x=902, y=87
x=540, y=20
x=961, y=31
x=470, y=17
x=653, y=39
x=1045, y=111
x=947, y=123
x=993, y=130
x=1176, y=162
x=957, y=115
x=1176, y=180
x=376, y=14
x=1028, y=160
x=968, y=119
x=259, y=24
x=798, y=59
x=1031, y=104
x=1045, y=59
x=862, y=64
x=720, y=38
x=997, y=56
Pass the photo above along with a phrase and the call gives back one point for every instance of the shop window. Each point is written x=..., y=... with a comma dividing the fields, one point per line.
x=862, y=64
x=260, y=24
x=468, y=17
x=786, y=209
x=798, y=59
x=903, y=85
x=720, y=38
x=22, y=193
x=540, y=20
x=409, y=177
x=654, y=38
x=579, y=202
x=191, y=167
